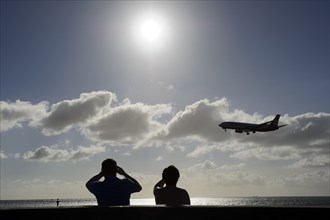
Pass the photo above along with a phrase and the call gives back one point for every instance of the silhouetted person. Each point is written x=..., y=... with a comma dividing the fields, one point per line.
x=112, y=191
x=170, y=194
x=57, y=202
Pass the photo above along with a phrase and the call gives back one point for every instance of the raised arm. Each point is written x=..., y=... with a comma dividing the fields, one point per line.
x=123, y=173
x=160, y=184
x=95, y=178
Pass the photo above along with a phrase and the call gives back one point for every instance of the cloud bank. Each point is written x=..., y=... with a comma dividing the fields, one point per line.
x=99, y=117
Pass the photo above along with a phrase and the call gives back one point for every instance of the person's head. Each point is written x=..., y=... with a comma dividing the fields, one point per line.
x=171, y=175
x=109, y=167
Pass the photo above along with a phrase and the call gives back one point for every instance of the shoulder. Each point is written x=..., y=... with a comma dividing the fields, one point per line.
x=126, y=181
x=93, y=183
x=181, y=189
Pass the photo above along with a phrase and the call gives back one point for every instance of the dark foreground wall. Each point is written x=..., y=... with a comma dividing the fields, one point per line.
x=170, y=213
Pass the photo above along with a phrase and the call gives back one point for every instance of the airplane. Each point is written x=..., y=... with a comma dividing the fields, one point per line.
x=240, y=127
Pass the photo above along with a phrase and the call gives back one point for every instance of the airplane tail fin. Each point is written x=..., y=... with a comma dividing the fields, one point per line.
x=275, y=120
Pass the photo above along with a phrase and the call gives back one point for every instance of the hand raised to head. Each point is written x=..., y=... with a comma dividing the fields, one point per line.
x=120, y=171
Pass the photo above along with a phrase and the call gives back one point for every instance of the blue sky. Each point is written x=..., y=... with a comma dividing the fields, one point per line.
x=147, y=83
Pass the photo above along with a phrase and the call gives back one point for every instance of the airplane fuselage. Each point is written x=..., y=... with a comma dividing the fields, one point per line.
x=247, y=127
x=240, y=127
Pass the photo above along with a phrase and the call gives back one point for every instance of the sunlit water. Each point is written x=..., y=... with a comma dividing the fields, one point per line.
x=228, y=201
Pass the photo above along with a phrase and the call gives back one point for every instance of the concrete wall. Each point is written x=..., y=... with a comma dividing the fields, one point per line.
x=170, y=213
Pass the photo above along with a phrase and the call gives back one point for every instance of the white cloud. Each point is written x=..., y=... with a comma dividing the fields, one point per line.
x=270, y=153
x=202, y=167
x=3, y=155
x=127, y=124
x=199, y=121
x=233, y=167
x=74, y=112
x=208, y=170
x=13, y=114
x=313, y=161
x=47, y=154
x=239, y=178
x=308, y=179
x=201, y=150
x=170, y=87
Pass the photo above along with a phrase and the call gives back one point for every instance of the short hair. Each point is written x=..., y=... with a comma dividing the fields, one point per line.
x=171, y=175
x=109, y=166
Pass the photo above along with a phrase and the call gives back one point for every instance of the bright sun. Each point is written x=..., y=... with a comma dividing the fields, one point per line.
x=150, y=31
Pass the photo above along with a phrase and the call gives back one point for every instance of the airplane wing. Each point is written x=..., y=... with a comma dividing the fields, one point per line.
x=263, y=125
x=247, y=128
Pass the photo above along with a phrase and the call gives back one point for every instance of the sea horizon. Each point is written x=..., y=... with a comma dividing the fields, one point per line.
x=253, y=201
x=194, y=197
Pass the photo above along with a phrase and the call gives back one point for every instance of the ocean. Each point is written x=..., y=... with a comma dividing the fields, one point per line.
x=323, y=201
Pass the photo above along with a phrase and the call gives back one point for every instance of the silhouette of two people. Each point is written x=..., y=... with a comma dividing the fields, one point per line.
x=113, y=191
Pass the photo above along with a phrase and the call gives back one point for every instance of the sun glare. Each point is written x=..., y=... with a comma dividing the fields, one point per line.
x=150, y=31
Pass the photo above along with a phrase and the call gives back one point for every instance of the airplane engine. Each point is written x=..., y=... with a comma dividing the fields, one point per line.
x=238, y=131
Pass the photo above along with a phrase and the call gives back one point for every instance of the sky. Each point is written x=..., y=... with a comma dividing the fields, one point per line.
x=148, y=82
